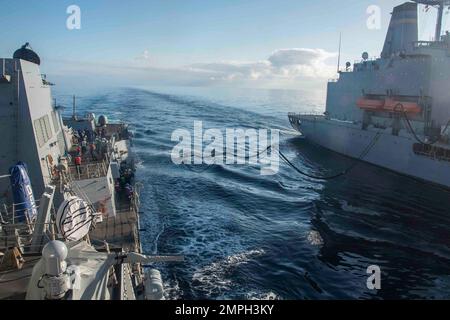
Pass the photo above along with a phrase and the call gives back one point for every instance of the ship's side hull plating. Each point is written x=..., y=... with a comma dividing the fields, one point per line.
x=392, y=152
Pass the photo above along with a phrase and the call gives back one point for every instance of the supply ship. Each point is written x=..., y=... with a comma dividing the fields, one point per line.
x=69, y=199
x=392, y=111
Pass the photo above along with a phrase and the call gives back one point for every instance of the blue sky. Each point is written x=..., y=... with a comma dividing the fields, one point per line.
x=175, y=39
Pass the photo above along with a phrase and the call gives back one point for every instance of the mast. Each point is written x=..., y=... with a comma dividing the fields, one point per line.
x=74, y=114
x=437, y=36
x=440, y=4
x=339, y=55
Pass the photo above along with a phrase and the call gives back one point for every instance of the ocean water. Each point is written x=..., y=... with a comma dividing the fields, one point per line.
x=286, y=236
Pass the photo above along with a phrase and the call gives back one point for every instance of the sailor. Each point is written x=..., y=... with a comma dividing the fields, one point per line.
x=129, y=191
x=61, y=169
x=92, y=151
x=78, y=163
x=446, y=37
x=117, y=185
x=80, y=135
x=123, y=181
x=89, y=136
x=84, y=146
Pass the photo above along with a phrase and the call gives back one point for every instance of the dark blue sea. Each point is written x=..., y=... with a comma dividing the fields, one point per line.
x=247, y=236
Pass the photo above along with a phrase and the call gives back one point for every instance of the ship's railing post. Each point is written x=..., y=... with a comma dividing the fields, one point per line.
x=43, y=218
x=29, y=224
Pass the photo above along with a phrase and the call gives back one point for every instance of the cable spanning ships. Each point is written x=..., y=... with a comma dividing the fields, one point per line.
x=69, y=200
x=393, y=111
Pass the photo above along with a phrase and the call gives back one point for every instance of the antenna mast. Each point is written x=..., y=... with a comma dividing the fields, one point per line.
x=437, y=36
x=440, y=4
x=74, y=106
x=339, y=55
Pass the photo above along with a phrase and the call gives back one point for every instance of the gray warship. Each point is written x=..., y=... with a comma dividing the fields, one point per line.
x=392, y=111
x=69, y=199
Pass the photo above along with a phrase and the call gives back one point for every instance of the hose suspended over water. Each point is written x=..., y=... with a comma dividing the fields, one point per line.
x=298, y=170
x=235, y=155
x=344, y=172
x=411, y=129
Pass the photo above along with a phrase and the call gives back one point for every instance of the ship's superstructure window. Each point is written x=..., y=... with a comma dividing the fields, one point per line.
x=43, y=130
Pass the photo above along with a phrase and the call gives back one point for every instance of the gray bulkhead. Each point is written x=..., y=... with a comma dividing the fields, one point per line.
x=30, y=124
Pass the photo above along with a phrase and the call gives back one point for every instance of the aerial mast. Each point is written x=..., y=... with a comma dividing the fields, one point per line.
x=339, y=55
x=437, y=36
x=440, y=4
x=74, y=108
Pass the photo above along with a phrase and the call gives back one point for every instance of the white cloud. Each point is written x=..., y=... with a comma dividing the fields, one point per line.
x=232, y=70
x=285, y=64
x=299, y=56
x=284, y=68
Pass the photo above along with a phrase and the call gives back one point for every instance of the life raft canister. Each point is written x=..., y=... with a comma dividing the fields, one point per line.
x=388, y=105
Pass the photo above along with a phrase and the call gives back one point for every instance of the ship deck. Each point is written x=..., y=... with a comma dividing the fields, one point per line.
x=118, y=232
x=121, y=230
x=14, y=283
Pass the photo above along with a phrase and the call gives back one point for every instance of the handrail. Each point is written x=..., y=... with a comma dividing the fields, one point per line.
x=11, y=212
x=439, y=44
x=88, y=171
x=306, y=114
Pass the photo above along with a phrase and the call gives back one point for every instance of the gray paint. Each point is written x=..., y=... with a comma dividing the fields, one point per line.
x=23, y=100
x=407, y=70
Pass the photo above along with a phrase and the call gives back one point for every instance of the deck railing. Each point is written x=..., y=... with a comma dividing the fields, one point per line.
x=88, y=171
x=9, y=214
x=431, y=44
x=20, y=235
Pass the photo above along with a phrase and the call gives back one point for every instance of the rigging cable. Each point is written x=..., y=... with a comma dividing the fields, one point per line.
x=235, y=155
x=411, y=129
x=298, y=170
x=347, y=170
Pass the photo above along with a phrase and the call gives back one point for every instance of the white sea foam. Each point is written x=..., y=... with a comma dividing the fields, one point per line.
x=254, y=295
x=314, y=238
x=215, y=276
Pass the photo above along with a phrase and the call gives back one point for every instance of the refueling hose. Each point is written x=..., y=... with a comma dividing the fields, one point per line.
x=402, y=110
x=298, y=170
x=344, y=172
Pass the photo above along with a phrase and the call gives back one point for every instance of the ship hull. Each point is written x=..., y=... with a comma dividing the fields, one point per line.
x=391, y=152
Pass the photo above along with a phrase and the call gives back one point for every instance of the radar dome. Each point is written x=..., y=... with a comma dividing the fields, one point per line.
x=102, y=120
x=25, y=53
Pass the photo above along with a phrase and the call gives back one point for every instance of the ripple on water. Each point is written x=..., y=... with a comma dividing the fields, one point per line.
x=284, y=236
